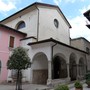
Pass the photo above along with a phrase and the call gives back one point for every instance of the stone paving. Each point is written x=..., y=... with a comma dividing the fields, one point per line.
x=33, y=87
x=24, y=87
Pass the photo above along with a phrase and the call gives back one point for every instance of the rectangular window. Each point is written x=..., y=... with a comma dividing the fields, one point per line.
x=11, y=42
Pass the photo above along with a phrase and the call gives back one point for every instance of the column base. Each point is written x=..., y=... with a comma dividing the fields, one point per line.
x=49, y=82
x=68, y=79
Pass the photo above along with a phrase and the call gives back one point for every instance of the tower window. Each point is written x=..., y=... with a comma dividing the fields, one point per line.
x=20, y=25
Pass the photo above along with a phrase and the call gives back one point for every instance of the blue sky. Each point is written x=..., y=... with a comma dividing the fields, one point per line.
x=72, y=9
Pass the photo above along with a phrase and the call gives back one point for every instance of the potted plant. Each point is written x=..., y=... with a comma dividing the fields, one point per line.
x=88, y=79
x=78, y=85
x=62, y=87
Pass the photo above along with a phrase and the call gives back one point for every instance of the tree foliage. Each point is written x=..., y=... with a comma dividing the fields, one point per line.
x=19, y=59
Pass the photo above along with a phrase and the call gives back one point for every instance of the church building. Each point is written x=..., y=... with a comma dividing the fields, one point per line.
x=45, y=32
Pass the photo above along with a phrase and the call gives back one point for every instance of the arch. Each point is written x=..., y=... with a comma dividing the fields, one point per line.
x=20, y=25
x=60, y=55
x=40, y=68
x=0, y=66
x=72, y=66
x=82, y=66
x=59, y=67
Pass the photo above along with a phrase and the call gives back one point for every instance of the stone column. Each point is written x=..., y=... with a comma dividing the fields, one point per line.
x=49, y=72
x=68, y=72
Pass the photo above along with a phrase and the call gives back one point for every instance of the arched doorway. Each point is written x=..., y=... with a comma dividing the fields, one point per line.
x=40, y=68
x=73, y=67
x=59, y=68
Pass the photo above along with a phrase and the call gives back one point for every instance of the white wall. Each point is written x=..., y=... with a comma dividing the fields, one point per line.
x=47, y=28
x=40, y=62
x=30, y=20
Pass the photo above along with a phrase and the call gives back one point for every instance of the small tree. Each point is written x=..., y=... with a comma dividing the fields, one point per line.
x=19, y=60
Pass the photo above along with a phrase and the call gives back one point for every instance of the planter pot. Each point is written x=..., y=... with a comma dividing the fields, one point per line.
x=78, y=88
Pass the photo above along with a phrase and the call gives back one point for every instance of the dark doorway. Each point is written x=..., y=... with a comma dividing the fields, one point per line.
x=73, y=67
x=56, y=68
x=59, y=68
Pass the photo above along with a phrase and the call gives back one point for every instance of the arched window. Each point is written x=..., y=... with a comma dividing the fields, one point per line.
x=0, y=66
x=20, y=25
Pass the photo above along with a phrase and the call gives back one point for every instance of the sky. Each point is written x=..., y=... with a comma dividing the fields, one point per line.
x=72, y=9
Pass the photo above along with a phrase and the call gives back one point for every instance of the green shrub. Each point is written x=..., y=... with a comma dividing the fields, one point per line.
x=62, y=87
x=87, y=75
x=78, y=85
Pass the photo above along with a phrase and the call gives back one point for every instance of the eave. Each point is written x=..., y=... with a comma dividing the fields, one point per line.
x=11, y=29
x=55, y=41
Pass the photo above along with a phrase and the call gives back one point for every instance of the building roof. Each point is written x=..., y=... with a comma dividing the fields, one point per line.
x=11, y=29
x=28, y=38
x=35, y=4
x=87, y=14
x=80, y=38
x=55, y=41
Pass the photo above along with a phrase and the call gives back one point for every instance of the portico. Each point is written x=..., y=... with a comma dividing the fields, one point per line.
x=64, y=66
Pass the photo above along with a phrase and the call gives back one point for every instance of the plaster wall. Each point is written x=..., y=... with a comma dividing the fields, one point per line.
x=30, y=20
x=47, y=28
x=5, y=49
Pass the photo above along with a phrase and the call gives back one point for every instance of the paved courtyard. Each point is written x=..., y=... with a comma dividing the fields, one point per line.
x=33, y=87
x=24, y=87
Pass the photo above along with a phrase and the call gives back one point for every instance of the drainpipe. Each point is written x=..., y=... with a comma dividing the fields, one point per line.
x=52, y=54
x=37, y=24
x=52, y=50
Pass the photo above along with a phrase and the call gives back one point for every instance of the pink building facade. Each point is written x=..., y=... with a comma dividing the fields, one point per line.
x=9, y=39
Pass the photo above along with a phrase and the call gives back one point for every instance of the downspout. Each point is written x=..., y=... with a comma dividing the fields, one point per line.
x=52, y=56
x=37, y=24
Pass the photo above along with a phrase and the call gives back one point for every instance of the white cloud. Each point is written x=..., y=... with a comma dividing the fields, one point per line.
x=72, y=1
x=84, y=9
x=82, y=0
x=79, y=28
x=7, y=5
x=57, y=2
x=39, y=1
x=78, y=23
x=68, y=1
